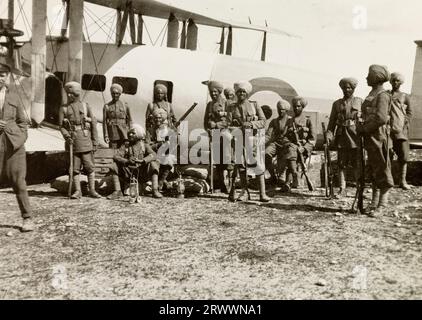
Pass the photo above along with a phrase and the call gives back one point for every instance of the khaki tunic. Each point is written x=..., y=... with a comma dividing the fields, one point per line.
x=117, y=120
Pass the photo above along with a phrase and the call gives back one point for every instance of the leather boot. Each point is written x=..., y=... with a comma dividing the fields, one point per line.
x=77, y=186
x=91, y=186
x=295, y=183
x=223, y=187
x=403, y=184
x=342, y=183
x=117, y=193
x=155, y=193
x=374, y=201
x=262, y=195
x=163, y=177
x=382, y=204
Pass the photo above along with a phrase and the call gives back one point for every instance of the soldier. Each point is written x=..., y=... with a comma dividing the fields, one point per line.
x=230, y=95
x=246, y=115
x=342, y=123
x=215, y=118
x=306, y=136
x=375, y=112
x=160, y=103
x=135, y=154
x=274, y=138
x=116, y=118
x=158, y=134
x=401, y=114
x=13, y=134
x=79, y=128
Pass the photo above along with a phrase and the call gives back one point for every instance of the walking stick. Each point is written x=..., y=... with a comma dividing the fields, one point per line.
x=69, y=188
x=211, y=164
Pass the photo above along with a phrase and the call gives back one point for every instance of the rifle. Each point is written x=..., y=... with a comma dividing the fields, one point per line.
x=301, y=160
x=360, y=188
x=328, y=169
x=183, y=117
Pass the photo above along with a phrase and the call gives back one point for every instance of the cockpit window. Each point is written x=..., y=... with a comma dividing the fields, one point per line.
x=129, y=85
x=93, y=82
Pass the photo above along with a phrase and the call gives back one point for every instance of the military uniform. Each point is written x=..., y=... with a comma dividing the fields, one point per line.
x=135, y=151
x=79, y=127
x=160, y=106
x=274, y=141
x=246, y=114
x=375, y=112
x=12, y=148
x=342, y=124
x=290, y=151
x=215, y=118
x=117, y=120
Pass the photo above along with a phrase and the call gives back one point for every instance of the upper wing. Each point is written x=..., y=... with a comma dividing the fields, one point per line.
x=157, y=9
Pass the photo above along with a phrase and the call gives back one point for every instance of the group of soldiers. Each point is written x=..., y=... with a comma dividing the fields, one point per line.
x=382, y=119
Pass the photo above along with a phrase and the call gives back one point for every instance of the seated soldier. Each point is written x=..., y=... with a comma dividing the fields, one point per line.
x=274, y=138
x=135, y=154
x=158, y=134
x=306, y=135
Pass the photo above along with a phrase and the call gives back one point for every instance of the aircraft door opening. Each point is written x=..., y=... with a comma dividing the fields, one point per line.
x=53, y=99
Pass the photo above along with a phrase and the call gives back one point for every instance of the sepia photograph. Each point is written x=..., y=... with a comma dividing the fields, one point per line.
x=213, y=150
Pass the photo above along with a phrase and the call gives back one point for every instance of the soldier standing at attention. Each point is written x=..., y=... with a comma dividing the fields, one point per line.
x=342, y=128
x=274, y=138
x=117, y=119
x=375, y=112
x=79, y=128
x=401, y=114
x=246, y=115
x=215, y=118
x=306, y=135
x=160, y=103
x=13, y=134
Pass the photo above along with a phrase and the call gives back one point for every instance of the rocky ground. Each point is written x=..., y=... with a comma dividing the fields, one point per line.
x=298, y=246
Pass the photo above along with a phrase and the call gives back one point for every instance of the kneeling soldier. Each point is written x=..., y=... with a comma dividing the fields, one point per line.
x=135, y=154
x=79, y=127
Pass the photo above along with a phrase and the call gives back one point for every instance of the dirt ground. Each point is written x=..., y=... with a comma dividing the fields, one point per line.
x=298, y=246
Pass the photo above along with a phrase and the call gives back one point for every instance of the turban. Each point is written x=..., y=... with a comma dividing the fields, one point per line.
x=380, y=73
x=139, y=131
x=73, y=87
x=397, y=76
x=4, y=67
x=116, y=86
x=228, y=91
x=160, y=86
x=215, y=85
x=352, y=81
x=302, y=101
x=283, y=105
x=247, y=86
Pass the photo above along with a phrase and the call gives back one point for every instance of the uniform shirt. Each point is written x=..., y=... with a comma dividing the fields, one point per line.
x=216, y=111
x=138, y=151
x=241, y=112
x=343, y=119
x=276, y=128
x=375, y=112
x=116, y=120
x=304, y=129
x=85, y=135
x=163, y=106
x=401, y=101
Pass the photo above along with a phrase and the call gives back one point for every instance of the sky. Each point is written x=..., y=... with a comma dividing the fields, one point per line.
x=337, y=38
